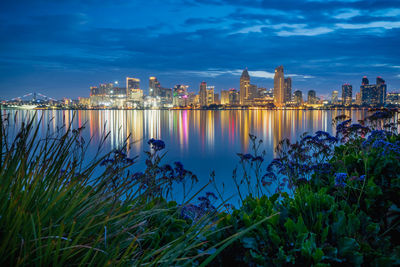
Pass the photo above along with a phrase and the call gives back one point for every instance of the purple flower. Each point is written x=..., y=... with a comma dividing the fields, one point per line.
x=340, y=179
x=156, y=144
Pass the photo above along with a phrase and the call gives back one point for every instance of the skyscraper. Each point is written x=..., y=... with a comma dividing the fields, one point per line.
x=312, y=97
x=154, y=87
x=335, y=97
x=373, y=94
x=210, y=95
x=244, y=86
x=288, y=89
x=279, y=86
x=347, y=94
x=224, y=97
x=203, y=94
x=132, y=85
x=298, y=97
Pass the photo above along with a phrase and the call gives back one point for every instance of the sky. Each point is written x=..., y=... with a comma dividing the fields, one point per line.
x=61, y=48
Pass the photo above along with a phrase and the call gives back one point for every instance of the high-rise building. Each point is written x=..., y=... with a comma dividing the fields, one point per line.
x=234, y=98
x=210, y=95
x=154, y=87
x=373, y=94
x=382, y=88
x=224, y=97
x=279, y=87
x=203, y=94
x=244, y=86
x=132, y=86
x=358, y=99
x=216, y=99
x=347, y=94
x=180, y=96
x=288, y=89
x=252, y=92
x=298, y=97
x=335, y=97
x=312, y=97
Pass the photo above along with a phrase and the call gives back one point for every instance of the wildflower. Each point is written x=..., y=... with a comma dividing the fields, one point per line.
x=340, y=180
x=362, y=177
x=156, y=144
x=245, y=157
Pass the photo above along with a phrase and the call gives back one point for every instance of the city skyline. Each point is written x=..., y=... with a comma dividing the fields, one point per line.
x=62, y=48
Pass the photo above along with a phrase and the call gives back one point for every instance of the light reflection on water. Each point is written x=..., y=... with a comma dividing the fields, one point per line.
x=203, y=140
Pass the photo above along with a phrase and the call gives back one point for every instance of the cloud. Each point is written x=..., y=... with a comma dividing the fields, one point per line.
x=387, y=25
x=213, y=73
x=305, y=32
x=347, y=14
x=388, y=12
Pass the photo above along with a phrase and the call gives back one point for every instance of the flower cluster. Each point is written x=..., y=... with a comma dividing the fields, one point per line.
x=195, y=212
x=156, y=145
x=340, y=179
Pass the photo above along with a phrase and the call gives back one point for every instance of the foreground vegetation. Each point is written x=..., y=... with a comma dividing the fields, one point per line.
x=325, y=200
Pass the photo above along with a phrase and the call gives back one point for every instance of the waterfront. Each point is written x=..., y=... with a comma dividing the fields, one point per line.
x=203, y=140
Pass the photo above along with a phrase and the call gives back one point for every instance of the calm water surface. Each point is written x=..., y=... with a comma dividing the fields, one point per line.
x=203, y=140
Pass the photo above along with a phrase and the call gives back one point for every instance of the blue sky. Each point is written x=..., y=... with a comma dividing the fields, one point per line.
x=60, y=48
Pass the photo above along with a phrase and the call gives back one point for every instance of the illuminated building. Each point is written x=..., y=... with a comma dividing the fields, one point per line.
x=373, y=94
x=288, y=89
x=210, y=95
x=203, y=94
x=279, y=87
x=225, y=97
x=358, y=99
x=347, y=94
x=234, y=98
x=244, y=86
x=298, y=97
x=335, y=97
x=180, y=96
x=393, y=98
x=311, y=97
x=134, y=93
x=216, y=99
x=94, y=90
x=154, y=87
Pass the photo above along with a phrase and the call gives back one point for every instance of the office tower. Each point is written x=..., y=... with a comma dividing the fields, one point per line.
x=234, y=97
x=180, y=96
x=358, y=99
x=373, y=94
x=381, y=90
x=288, y=89
x=94, y=91
x=298, y=97
x=210, y=95
x=335, y=97
x=312, y=97
x=244, y=86
x=347, y=94
x=203, y=94
x=279, y=87
x=216, y=99
x=224, y=97
x=132, y=86
x=365, y=81
x=154, y=87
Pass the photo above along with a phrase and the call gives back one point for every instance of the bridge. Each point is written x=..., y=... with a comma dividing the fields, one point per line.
x=32, y=97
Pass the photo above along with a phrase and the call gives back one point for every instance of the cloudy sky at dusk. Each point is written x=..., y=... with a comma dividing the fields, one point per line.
x=60, y=48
